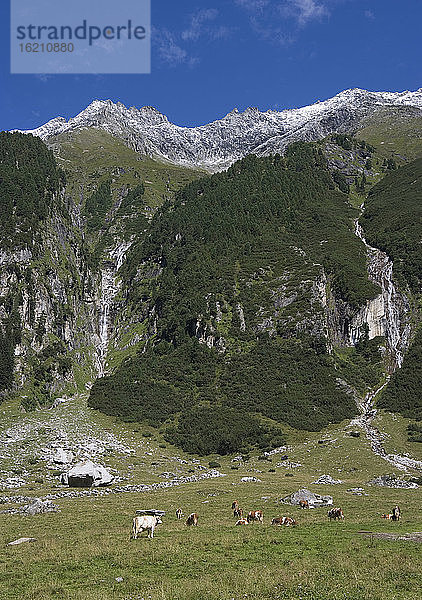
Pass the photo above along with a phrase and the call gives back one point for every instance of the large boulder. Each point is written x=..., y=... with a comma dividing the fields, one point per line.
x=314, y=500
x=87, y=474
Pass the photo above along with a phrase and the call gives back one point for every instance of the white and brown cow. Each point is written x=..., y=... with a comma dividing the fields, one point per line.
x=144, y=523
x=287, y=521
x=336, y=514
x=235, y=505
x=192, y=520
x=238, y=512
x=255, y=515
x=242, y=522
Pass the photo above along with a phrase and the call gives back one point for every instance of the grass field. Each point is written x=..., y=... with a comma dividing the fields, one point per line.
x=82, y=550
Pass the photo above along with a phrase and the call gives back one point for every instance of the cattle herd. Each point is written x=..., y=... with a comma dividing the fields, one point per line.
x=149, y=522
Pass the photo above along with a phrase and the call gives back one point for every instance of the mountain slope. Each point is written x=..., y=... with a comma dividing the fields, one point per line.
x=257, y=275
x=218, y=144
x=62, y=235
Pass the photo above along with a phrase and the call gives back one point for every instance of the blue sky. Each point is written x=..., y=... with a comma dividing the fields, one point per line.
x=211, y=56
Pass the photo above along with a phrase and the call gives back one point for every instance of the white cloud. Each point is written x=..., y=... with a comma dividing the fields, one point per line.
x=369, y=14
x=304, y=11
x=198, y=24
x=252, y=5
x=270, y=32
x=168, y=48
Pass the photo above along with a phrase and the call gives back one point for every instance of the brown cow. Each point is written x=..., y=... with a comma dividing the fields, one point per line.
x=179, y=513
x=242, y=522
x=192, y=519
x=287, y=521
x=335, y=513
x=235, y=505
x=255, y=515
x=389, y=516
x=238, y=512
x=303, y=504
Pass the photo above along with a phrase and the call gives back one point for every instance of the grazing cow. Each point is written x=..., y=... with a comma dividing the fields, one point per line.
x=179, y=513
x=335, y=513
x=287, y=521
x=238, y=512
x=242, y=522
x=144, y=523
x=192, y=519
x=396, y=514
x=255, y=515
x=389, y=516
x=235, y=505
x=303, y=504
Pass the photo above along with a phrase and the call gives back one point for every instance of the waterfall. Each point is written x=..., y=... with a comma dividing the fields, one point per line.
x=110, y=286
x=386, y=314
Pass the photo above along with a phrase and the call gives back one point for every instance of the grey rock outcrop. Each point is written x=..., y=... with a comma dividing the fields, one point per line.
x=314, y=500
x=326, y=480
x=38, y=507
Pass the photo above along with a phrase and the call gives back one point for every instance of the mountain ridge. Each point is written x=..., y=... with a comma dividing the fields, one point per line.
x=216, y=145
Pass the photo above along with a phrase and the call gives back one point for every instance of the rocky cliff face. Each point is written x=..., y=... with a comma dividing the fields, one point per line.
x=217, y=145
x=46, y=284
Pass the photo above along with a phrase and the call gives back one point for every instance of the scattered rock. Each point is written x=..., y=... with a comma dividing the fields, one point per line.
x=416, y=536
x=11, y=483
x=249, y=479
x=314, y=500
x=21, y=541
x=288, y=464
x=326, y=480
x=357, y=492
x=38, y=507
x=391, y=482
x=35, y=506
x=119, y=579
x=62, y=457
x=278, y=450
x=57, y=402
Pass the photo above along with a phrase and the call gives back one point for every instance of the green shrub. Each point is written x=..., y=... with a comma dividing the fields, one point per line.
x=217, y=430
